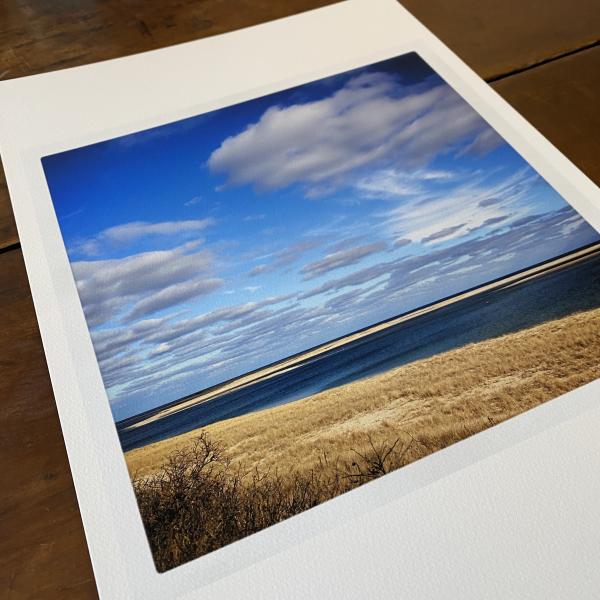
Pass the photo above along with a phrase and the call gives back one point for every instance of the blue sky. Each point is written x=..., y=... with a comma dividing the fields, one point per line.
x=209, y=247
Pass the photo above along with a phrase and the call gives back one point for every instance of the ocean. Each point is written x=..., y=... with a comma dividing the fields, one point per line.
x=491, y=314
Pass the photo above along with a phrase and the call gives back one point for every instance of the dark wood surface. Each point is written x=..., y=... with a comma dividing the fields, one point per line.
x=542, y=56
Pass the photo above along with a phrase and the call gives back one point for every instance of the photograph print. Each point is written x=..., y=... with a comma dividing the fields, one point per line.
x=292, y=296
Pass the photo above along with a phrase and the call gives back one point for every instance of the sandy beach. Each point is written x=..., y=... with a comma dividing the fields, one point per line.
x=292, y=362
x=436, y=401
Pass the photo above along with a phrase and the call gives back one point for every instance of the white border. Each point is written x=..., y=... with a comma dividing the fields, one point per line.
x=49, y=113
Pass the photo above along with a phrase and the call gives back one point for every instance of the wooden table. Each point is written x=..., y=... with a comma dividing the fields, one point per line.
x=543, y=56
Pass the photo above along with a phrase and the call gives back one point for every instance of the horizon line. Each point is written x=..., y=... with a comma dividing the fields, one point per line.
x=151, y=412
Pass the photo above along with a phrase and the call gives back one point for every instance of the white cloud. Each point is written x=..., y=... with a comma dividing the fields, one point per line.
x=111, y=342
x=259, y=269
x=108, y=287
x=444, y=234
x=485, y=142
x=453, y=210
x=401, y=242
x=285, y=257
x=184, y=327
x=360, y=277
x=396, y=183
x=340, y=259
x=172, y=295
x=372, y=118
x=127, y=233
x=572, y=224
x=400, y=273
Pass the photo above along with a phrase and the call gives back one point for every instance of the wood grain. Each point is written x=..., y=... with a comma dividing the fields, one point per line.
x=561, y=99
x=497, y=38
x=8, y=230
x=42, y=548
x=38, y=36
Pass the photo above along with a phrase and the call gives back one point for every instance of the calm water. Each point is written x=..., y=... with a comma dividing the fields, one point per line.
x=488, y=315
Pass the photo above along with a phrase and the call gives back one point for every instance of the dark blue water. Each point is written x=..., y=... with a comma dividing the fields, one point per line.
x=573, y=288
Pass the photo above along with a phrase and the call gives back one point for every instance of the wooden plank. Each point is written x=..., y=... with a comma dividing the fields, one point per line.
x=497, y=38
x=492, y=37
x=561, y=100
x=38, y=37
x=42, y=546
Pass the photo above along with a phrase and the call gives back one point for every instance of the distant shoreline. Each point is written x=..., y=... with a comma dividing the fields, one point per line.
x=437, y=401
x=297, y=360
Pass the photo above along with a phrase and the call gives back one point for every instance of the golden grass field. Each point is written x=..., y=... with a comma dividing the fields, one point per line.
x=428, y=404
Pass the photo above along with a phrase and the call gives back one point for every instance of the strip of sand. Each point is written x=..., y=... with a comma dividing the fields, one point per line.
x=436, y=401
x=295, y=361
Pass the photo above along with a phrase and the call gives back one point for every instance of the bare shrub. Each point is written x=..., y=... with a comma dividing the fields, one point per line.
x=196, y=503
x=374, y=462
